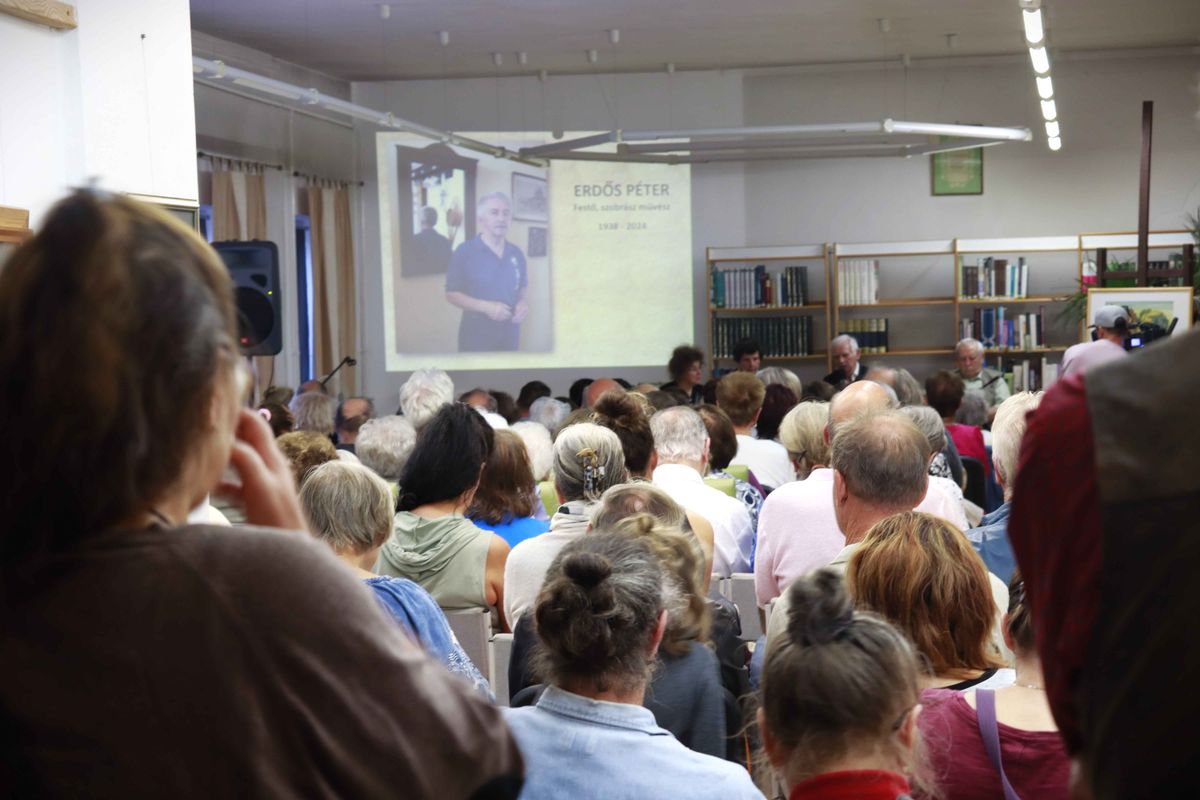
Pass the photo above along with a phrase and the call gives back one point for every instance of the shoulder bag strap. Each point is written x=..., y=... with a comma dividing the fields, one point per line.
x=989, y=731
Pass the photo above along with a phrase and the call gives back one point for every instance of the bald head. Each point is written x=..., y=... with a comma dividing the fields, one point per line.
x=856, y=400
x=597, y=388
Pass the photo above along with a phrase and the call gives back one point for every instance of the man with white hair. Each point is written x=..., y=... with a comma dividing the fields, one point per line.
x=681, y=444
x=314, y=412
x=425, y=391
x=489, y=281
x=847, y=368
x=384, y=445
x=990, y=539
x=968, y=355
x=549, y=413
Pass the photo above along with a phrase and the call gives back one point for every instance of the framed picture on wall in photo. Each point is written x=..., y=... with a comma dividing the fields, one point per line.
x=531, y=200
x=956, y=172
x=537, y=242
x=1156, y=305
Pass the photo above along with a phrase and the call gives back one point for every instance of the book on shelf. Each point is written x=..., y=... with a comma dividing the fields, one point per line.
x=994, y=277
x=1026, y=376
x=779, y=337
x=858, y=281
x=756, y=287
x=998, y=329
x=871, y=334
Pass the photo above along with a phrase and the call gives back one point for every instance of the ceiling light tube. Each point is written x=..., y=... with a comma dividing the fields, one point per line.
x=1041, y=61
x=267, y=88
x=1055, y=143
x=1045, y=87
x=1052, y=129
x=969, y=131
x=1049, y=110
x=1034, y=32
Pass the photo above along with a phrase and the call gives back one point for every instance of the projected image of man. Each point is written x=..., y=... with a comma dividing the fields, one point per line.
x=489, y=281
x=432, y=248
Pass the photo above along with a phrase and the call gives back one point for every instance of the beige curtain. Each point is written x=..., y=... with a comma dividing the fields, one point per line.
x=335, y=317
x=239, y=199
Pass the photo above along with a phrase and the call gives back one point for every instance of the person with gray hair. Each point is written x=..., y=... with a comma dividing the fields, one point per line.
x=549, y=413
x=425, y=391
x=350, y=509
x=990, y=539
x=974, y=411
x=314, y=412
x=945, y=496
x=488, y=279
x=968, y=357
x=681, y=444
x=588, y=459
x=384, y=445
x=847, y=368
x=539, y=445
x=351, y=414
x=431, y=250
x=782, y=376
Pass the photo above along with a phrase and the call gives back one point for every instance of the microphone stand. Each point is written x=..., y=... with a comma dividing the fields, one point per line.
x=347, y=361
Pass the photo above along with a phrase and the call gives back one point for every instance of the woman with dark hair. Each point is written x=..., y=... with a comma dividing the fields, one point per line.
x=840, y=699
x=686, y=371
x=722, y=448
x=261, y=665
x=505, y=501
x=433, y=543
x=777, y=402
x=601, y=618
x=945, y=391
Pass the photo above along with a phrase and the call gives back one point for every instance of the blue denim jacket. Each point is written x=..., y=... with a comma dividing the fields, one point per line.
x=579, y=748
x=990, y=540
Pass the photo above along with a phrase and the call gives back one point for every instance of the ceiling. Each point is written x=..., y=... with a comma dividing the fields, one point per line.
x=348, y=39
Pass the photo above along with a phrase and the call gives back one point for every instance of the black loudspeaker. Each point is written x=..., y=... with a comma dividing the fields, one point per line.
x=254, y=267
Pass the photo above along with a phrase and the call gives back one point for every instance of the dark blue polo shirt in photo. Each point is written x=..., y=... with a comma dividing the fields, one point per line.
x=477, y=272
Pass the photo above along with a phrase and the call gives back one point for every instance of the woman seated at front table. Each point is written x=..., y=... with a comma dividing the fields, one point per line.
x=432, y=542
x=506, y=499
x=349, y=508
x=600, y=618
x=840, y=700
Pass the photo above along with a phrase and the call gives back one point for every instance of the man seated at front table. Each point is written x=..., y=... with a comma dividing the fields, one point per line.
x=489, y=281
x=847, y=368
x=968, y=355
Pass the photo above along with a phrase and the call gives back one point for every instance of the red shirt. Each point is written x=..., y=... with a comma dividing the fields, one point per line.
x=862, y=784
x=1035, y=762
x=969, y=441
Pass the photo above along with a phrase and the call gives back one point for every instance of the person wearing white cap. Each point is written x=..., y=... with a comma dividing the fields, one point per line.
x=1112, y=325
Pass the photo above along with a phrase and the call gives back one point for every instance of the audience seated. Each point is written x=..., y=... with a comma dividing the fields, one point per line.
x=840, y=700
x=350, y=509
x=722, y=446
x=539, y=445
x=1031, y=752
x=782, y=376
x=305, y=451
x=147, y=657
x=740, y=395
x=802, y=433
x=479, y=399
x=432, y=542
x=974, y=411
x=314, y=411
x=529, y=393
x=277, y=394
x=945, y=392
x=661, y=399
x=351, y=414
x=423, y=395
x=597, y=388
x=505, y=500
x=817, y=390
x=587, y=460
x=278, y=416
x=549, y=412
x=506, y=407
x=990, y=539
x=601, y=617
x=777, y=402
x=686, y=369
x=384, y=445
x=313, y=385
x=681, y=446
x=575, y=392
x=944, y=497
x=921, y=575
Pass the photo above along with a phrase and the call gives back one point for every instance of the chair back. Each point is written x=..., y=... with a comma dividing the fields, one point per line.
x=976, y=490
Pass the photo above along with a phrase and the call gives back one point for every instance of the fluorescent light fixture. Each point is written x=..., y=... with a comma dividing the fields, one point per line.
x=267, y=88
x=1033, y=25
x=1041, y=61
x=1055, y=143
x=1049, y=110
x=1052, y=129
x=1045, y=87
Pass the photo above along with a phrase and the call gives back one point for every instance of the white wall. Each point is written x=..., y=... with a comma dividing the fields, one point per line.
x=99, y=102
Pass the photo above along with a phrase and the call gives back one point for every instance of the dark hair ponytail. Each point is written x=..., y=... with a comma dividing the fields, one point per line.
x=450, y=451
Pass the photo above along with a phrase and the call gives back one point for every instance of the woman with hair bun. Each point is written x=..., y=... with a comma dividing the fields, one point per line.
x=601, y=617
x=840, y=699
x=433, y=543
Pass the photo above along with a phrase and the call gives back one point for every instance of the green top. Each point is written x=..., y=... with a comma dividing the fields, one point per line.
x=447, y=556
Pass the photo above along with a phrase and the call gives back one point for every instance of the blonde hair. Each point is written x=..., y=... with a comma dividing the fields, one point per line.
x=803, y=434
x=1008, y=429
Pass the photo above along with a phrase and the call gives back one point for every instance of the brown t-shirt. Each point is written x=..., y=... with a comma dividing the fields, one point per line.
x=219, y=662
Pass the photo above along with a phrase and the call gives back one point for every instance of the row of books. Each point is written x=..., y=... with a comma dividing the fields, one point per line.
x=871, y=334
x=758, y=288
x=995, y=277
x=786, y=337
x=997, y=329
x=1025, y=376
x=858, y=282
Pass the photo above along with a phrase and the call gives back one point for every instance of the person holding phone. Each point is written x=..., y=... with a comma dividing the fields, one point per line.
x=488, y=279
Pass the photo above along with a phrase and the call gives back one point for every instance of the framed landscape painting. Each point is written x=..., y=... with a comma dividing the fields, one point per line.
x=1149, y=306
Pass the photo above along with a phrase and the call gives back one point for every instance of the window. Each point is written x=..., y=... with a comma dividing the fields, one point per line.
x=304, y=297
